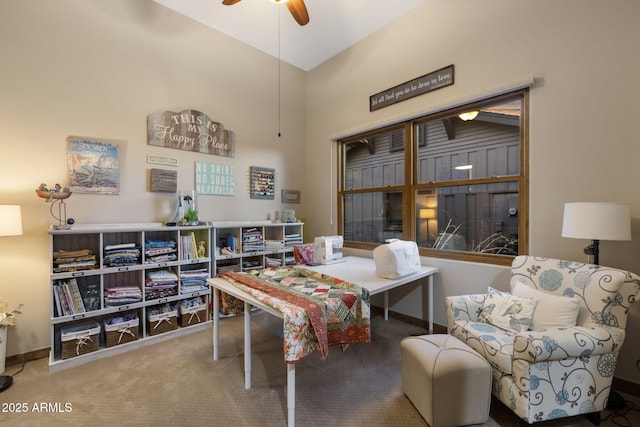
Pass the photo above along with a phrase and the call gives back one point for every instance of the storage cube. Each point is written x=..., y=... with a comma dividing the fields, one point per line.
x=193, y=315
x=79, y=339
x=120, y=330
x=163, y=322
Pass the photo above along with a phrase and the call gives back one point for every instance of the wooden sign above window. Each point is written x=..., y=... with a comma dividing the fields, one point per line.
x=190, y=130
x=418, y=86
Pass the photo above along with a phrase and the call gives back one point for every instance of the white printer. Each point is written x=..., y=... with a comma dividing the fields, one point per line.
x=327, y=249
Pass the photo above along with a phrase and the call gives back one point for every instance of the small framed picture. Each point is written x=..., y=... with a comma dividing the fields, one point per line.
x=290, y=196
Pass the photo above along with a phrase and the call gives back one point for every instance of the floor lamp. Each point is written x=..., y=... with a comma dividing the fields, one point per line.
x=10, y=225
x=596, y=221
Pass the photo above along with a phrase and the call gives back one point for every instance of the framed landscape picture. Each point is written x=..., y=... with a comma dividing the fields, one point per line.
x=93, y=165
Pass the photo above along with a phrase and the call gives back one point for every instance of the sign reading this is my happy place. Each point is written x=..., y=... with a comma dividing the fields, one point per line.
x=189, y=130
x=418, y=86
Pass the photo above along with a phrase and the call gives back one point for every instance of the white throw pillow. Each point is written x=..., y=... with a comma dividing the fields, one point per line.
x=551, y=310
x=507, y=311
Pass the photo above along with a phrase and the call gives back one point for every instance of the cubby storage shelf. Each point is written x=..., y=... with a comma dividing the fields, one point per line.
x=96, y=259
x=100, y=271
x=242, y=245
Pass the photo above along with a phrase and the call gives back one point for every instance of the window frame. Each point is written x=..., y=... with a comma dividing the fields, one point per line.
x=411, y=186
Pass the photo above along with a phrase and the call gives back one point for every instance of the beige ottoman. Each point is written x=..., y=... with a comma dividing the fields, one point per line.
x=447, y=381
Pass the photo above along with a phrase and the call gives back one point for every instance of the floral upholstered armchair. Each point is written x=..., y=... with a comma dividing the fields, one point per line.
x=553, y=341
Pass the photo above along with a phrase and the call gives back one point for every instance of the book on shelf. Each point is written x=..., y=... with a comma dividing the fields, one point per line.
x=189, y=247
x=68, y=298
x=56, y=296
x=78, y=304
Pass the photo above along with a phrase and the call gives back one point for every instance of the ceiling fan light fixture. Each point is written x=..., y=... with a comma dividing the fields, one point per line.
x=296, y=7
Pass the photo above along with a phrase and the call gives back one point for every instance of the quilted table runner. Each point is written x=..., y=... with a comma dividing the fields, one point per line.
x=319, y=311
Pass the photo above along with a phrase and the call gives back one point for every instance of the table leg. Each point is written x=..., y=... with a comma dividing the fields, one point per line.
x=430, y=285
x=386, y=305
x=247, y=345
x=216, y=323
x=291, y=394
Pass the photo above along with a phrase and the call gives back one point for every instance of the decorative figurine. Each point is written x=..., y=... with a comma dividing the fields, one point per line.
x=53, y=196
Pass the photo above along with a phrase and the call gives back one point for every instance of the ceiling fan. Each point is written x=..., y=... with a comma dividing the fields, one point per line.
x=296, y=7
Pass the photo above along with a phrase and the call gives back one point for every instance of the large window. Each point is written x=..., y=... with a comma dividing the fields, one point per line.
x=455, y=184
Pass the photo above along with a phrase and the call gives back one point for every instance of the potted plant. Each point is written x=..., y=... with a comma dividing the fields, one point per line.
x=190, y=216
x=7, y=318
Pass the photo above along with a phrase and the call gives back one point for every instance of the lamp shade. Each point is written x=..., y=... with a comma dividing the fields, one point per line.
x=597, y=221
x=10, y=220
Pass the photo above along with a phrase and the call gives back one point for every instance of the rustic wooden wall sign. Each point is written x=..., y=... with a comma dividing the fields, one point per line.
x=418, y=86
x=163, y=180
x=189, y=130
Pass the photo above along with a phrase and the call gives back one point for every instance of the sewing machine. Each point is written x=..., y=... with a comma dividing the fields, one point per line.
x=327, y=249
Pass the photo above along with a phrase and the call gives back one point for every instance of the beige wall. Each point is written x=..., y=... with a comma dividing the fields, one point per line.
x=584, y=135
x=97, y=68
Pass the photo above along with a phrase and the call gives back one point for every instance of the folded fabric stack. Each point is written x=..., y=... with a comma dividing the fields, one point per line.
x=292, y=239
x=272, y=262
x=123, y=254
x=252, y=240
x=251, y=264
x=121, y=319
x=190, y=303
x=160, y=284
x=160, y=309
x=64, y=261
x=273, y=245
x=122, y=295
x=160, y=251
x=193, y=281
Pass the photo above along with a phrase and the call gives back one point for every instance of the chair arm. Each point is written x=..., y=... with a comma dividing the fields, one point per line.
x=464, y=307
x=566, y=342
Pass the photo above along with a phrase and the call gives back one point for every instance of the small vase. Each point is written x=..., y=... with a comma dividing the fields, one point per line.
x=3, y=347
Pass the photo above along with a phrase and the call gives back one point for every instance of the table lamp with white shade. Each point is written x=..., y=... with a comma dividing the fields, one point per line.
x=596, y=221
x=10, y=225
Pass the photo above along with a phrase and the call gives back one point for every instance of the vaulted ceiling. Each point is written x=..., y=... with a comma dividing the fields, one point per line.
x=334, y=25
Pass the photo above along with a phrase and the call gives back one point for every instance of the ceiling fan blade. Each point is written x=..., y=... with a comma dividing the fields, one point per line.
x=298, y=11
x=229, y=2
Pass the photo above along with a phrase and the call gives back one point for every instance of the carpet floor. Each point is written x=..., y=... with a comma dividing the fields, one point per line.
x=177, y=383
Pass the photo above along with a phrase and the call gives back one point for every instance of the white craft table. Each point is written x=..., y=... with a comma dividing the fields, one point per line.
x=362, y=271
x=352, y=269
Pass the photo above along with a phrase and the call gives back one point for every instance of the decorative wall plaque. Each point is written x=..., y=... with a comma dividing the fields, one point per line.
x=418, y=86
x=190, y=130
x=215, y=179
x=290, y=196
x=162, y=160
x=163, y=180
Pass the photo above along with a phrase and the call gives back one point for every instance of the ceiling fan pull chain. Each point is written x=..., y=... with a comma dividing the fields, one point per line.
x=279, y=76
